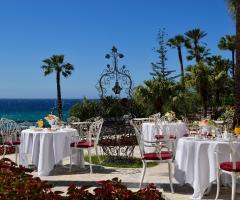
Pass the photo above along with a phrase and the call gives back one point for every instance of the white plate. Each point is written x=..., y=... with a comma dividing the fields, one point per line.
x=38, y=129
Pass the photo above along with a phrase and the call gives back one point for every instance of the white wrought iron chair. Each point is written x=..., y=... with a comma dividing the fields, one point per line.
x=231, y=167
x=9, y=131
x=88, y=139
x=157, y=155
x=155, y=116
x=164, y=136
x=25, y=125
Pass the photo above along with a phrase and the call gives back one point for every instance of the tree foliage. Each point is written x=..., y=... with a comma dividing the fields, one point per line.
x=196, y=50
x=56, y=64
x=207, y=83
x=160, y=68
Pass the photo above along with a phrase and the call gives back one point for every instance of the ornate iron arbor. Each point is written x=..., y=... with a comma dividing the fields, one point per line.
x=121, y=75
x=117, y=137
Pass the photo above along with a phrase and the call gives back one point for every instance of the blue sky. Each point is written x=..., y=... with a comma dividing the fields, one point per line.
x=85, y=30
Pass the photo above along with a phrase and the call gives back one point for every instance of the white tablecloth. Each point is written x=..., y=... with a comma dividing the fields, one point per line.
x=195, y=162
x=149, y=130
x=47, y=148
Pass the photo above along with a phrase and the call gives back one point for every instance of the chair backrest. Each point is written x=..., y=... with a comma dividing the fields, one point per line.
x=95, y=130
x=232, y=152
x=93, y=119
x=144, y=145
x=9, y=130
x=25, y=125
x=161, y=126
x=140, y=121
x=155, y=116
x=72, y=119
x=138, y=131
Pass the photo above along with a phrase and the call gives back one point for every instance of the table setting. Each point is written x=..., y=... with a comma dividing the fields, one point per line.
x=47, y=146
x=195, y=161
x=169, y=125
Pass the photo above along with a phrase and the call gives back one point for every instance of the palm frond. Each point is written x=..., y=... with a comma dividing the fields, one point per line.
x=47, y=61
x=67, y=69
x=232, y=5
x=47, y=69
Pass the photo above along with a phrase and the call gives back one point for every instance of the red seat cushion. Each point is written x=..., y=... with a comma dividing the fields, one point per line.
x=228, y=166
x=82, y=144
x=157, y=156
x=172, y=136
x=17, y=142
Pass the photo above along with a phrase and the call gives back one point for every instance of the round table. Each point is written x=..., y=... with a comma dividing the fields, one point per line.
x=195, y=162
x=177, y=128
x=47, y=148
x=149, y=131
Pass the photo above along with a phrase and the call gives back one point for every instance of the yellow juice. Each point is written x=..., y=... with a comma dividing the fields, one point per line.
x=237, y=130
x=40, y=123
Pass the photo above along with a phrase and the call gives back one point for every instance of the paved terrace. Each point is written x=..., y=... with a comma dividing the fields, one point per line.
x=61, y=178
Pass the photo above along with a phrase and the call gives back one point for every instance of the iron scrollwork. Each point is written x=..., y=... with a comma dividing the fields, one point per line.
x=121, y=75
x=118, y=140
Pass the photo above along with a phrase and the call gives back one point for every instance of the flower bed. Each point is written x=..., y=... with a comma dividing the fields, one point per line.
x=17, y=183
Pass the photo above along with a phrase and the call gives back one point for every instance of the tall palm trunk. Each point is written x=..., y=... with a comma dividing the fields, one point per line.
x=196, y=52
x=237, y=68
x=59, y=97
x=181, y=65
x=204, y=96
x=158, y=104
x=233, y=63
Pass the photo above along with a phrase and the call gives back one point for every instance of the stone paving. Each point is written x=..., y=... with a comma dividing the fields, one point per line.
x=61, y=177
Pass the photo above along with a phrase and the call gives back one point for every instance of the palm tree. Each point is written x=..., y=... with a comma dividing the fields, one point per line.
x=198, y=77
x=221, y=82
x=237, y=69
x=155, y=94
x=196, y=50
x=56, y=63
x=177, y=42
x=228, y=42
x=234, y=8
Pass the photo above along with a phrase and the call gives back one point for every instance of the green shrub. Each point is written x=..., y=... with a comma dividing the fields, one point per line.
x=86, y=109
x=107, y=107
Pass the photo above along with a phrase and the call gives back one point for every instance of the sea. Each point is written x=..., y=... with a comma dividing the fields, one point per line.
x=32, y=110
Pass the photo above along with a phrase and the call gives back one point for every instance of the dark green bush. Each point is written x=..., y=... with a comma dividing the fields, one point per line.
x=107, y=107
x=86, y=109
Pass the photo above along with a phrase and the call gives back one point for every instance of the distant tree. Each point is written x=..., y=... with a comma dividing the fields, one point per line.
x=198, y=76
x=195, y=50
x=155, y=94
x=177, y=42
x=234, y=8
x=86, y=109
x=228, y=42
x=221, y=83
x=56, y=63
x=160, y=68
